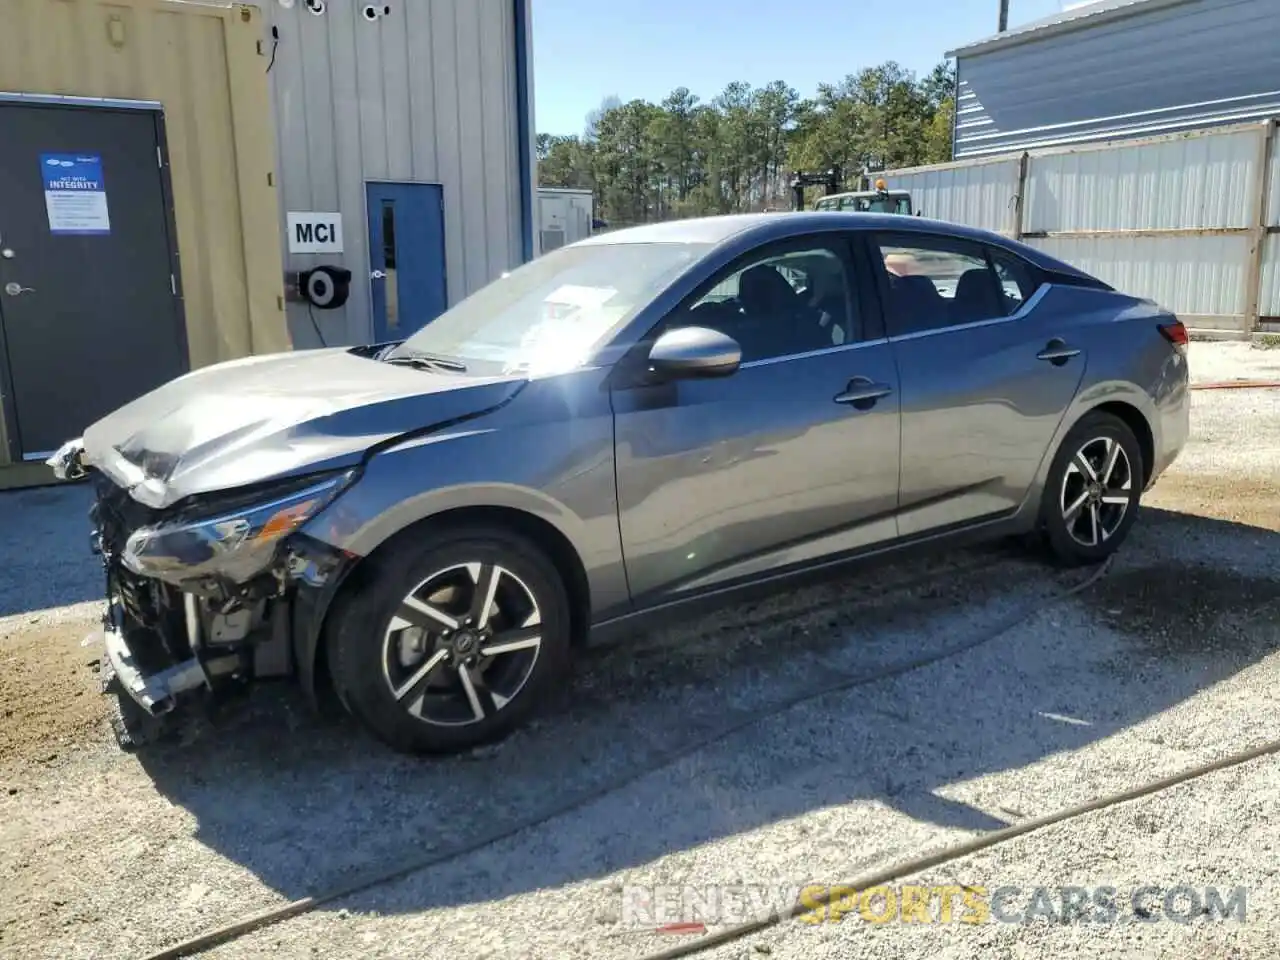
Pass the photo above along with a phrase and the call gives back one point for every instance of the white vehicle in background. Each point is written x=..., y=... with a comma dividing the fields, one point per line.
x=879, y=200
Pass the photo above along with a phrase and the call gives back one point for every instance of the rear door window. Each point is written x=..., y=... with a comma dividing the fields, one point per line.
x=933, y=282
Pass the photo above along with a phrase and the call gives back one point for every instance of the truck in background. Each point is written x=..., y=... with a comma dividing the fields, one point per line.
x=868, y=198
x=879, y=200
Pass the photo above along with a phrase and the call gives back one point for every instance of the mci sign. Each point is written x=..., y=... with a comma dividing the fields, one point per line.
x=314, y=232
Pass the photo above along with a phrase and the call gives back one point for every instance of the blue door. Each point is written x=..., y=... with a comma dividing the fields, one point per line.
x=406, y=257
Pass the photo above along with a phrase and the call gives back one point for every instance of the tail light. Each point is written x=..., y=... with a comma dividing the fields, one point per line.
x=1176, y=334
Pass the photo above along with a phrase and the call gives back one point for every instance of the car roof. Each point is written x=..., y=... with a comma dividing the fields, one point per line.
x=748, y=229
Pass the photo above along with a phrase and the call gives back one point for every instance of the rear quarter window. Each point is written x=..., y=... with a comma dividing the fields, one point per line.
x=1018, y=279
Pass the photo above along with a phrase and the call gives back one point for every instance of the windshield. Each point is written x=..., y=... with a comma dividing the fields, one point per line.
x=878, y=204
x=867, y=204
x=549, y=314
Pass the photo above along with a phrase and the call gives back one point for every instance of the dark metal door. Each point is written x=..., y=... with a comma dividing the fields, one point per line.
x=89, y=301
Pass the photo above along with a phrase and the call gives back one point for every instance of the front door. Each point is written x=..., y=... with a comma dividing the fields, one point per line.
x=89, y=305
x=980, y=405
x=406, y=257
x=791, y=459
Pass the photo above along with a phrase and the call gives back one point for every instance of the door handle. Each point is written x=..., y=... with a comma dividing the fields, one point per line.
x=862, y=393
x=14, y=289
x=377, y=275
x=1057, y=352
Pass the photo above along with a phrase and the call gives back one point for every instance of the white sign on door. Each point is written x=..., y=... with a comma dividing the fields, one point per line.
x=315, y=232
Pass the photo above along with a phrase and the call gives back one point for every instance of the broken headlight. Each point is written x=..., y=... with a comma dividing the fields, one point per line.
x=66, y=461
x=232, y=539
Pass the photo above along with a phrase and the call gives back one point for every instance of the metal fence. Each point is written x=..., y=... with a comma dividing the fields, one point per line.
x=1190, y=220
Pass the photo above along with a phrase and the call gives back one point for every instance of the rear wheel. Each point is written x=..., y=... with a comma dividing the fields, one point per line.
x=1094, y=485
x=454, y=642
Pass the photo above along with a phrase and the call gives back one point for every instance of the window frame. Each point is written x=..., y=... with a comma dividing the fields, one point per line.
x=946, y=243
x=857, y=281
x=1034, y=276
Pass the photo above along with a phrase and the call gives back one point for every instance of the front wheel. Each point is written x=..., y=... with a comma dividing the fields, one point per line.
x=1091, y=495
x=453, y=642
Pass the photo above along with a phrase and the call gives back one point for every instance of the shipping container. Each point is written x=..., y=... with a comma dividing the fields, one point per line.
x=564, y=216
x=138, y=230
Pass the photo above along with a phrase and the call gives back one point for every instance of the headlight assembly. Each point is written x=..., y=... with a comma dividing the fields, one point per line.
x=66, y=462
x=237, y=541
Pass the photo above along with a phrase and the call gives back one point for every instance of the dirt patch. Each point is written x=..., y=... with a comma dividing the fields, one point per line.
x=816, y=619
x=1186, y=609
x=1237, y=499
x=49, y=694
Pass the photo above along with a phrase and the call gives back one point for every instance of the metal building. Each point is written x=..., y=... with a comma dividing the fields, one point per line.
x=1116, y=69
x=406, y=154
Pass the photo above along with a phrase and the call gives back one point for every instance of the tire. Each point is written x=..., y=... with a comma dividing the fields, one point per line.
x=419, y=676
x=1078, y=489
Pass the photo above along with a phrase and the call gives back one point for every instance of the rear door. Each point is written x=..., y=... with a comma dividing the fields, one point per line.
x=791, y=459
x=985, y=380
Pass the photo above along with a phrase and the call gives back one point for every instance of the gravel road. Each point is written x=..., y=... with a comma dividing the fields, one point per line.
x=1169, y=661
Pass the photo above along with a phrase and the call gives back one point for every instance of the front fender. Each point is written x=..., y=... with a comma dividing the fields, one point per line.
x=549, y=455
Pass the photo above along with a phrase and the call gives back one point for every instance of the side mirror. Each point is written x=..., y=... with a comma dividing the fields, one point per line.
x=687, y=352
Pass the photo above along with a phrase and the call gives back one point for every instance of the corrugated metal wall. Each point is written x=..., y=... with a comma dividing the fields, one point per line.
x=1202, y=279
x=1180, y=193
x=1191, y=221
x=1170, y=67
x=1193, y=182
x=203, y=64
x=979, y=193
x=1269, y=294
x=428, y=95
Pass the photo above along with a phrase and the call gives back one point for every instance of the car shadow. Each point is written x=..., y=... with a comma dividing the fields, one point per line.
x=305, y=804
x=47, y=561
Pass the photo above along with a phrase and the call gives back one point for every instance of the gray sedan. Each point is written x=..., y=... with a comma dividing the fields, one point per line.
x=630, y=427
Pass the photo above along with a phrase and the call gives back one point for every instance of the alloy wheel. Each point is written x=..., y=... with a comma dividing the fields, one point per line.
x=462, y=644
x=1097, y=490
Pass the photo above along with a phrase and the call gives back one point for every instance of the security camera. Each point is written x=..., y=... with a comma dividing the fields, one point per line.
x=316, y=7
x=372, y=11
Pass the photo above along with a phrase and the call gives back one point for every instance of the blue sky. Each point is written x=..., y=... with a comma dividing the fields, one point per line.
x=586, y=50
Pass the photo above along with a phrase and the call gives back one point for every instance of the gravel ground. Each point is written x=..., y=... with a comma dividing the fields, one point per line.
x=1221, y=362
x=1168, y=662
x=1206, y=834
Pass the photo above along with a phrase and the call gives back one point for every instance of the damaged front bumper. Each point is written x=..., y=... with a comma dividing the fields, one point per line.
x=157, y=693
x=206, y=599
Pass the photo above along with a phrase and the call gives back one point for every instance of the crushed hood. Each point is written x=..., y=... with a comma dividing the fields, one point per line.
x=268, y=417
